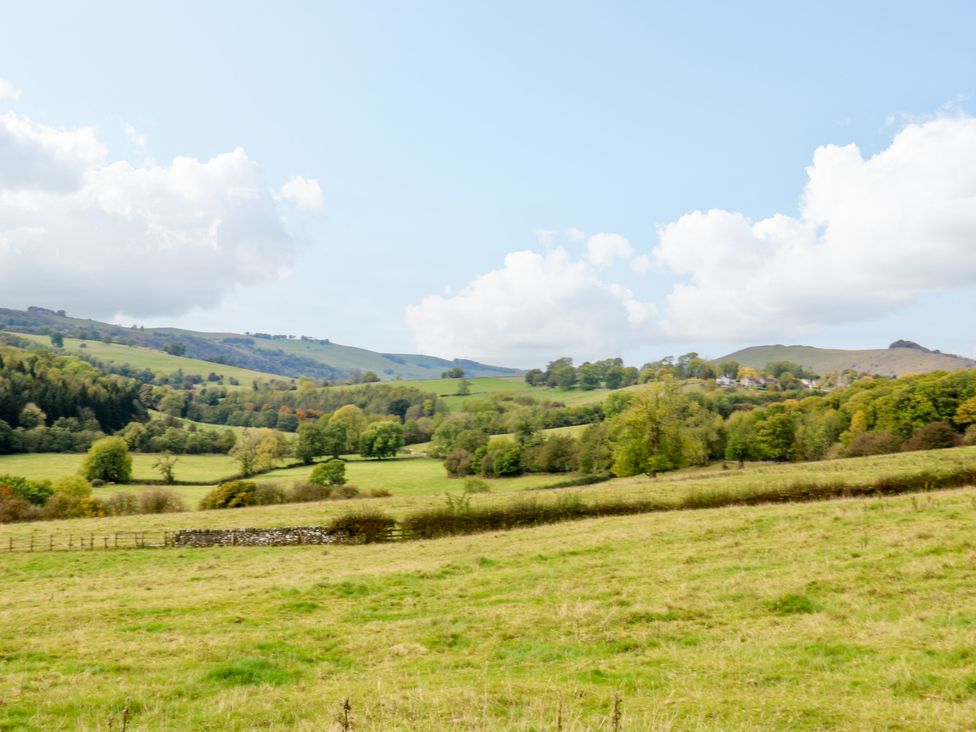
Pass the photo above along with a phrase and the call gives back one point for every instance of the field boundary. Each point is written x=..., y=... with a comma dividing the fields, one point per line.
x=461, y=519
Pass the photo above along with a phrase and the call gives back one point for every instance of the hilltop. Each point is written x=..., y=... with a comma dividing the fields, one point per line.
x=901, y=357
x=278, y=354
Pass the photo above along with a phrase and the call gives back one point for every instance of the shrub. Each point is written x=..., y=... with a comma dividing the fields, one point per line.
x=121, y=504
x=379, y=493
x=160, y=500
x=269, y=494
x=33, y=491
x=331, y=472
x=61, y=506
x=96, y=482
x=72, y=485
x=13, y=508
x=307, y=492
x=459, y=462
x=558, y=454
x=872, y=443
x=933, y=437
x=476, y=485
x=970, y=437
x=235, y=494
x=362, y=527
x=346, y=491
x=109, y=460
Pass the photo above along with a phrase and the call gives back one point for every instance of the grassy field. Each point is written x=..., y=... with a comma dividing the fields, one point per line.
x=851, y=615
x=38, y=466
x=487, y=387
x=156, y=361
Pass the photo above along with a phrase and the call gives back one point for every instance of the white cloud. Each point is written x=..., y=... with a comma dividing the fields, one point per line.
x=133, y=135
x=603, y=250
x=34, y=156
x=536, y=307
x=101, y=238
x=304, y=193
x=872, y=235
x=8, y=91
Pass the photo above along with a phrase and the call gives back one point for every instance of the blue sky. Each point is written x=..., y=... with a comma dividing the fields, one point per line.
x=446, y=136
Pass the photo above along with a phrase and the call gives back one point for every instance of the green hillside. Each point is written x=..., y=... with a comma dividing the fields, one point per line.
x=881, y=361
x=280, y=354
x=139, y=357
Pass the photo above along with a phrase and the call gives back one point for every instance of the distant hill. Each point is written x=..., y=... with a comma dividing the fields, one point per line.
x=902, y=357
x=281, y=355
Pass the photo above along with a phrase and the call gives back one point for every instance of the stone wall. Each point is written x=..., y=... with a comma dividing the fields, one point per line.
x=284, y=536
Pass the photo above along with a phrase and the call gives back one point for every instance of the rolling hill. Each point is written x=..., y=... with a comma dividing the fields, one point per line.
x=902, y=357
x=282, y=355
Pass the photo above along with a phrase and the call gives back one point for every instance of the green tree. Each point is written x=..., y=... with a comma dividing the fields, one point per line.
x=109, y=460
x=455, y=372
x=165, y=464
x=31, y=416
x=463, y=387
x=381, y=440
x=310, y=443
x=355, y=422
x=331, y=472
x=57, y=340
x=595, y=455
x=649, y=437
x=966, y=412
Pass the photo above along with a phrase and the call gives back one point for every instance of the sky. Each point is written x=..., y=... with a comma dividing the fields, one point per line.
x=507, y=181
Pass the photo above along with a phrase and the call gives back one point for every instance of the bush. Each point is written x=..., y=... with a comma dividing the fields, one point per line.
x=72, y=485
x=331, y=472
x=872, y=443
x=96, y=482
x=476, y=485
x=269, y=494
x=379, y=493
x=121, y=504
x=236, y=494
x=35, y=492
x=459, y=462
x=109, y=460
x=308, y=492
x=362, y=527
x=970, y=437
x=933, y=436
x=346, y=491
x=61, y=506
x=160, y=500
x=13, y=508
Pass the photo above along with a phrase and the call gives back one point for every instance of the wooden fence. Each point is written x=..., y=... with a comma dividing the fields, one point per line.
x=85, y=541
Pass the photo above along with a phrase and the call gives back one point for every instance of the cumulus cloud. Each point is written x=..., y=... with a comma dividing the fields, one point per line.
x=535, y=307
x=873, y=234
x=603, y=250
x=8, y=91
x=100, y=238
x=41, y=157
x=304, y=193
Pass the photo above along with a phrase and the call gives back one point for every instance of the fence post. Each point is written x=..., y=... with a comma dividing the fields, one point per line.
x=105, y=538
x=91, y=542
x=10, y=545
x=51, y=542
x=32, y=543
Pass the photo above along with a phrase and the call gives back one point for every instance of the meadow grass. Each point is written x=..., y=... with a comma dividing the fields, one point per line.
x=848, y=615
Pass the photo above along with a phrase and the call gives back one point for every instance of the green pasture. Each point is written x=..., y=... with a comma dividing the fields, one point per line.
x=848, y=615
